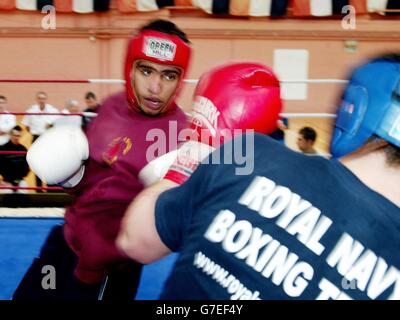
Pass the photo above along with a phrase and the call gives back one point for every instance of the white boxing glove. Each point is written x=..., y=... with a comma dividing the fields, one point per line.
x=57, y=156
x=156, y=169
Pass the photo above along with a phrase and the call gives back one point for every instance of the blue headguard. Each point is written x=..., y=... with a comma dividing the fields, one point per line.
x=370, y=106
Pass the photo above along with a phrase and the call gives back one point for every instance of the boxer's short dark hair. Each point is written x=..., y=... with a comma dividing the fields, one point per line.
x=167, y=27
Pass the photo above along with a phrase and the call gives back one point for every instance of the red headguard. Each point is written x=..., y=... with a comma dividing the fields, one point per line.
x=157, y=47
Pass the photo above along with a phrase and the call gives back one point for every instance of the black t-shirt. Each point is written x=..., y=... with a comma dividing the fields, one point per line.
x=86, y=119
x=13, y=167
x=279, y=134
x=297, y=227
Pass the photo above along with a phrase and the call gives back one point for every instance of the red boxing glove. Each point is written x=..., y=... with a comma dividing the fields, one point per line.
x=228, y=100
x=236, y=96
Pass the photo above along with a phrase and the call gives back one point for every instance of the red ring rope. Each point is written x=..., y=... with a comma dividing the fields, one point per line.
x=31, y=188
x=12, y=152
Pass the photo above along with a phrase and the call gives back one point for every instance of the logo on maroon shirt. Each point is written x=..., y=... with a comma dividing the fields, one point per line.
x=120, y=146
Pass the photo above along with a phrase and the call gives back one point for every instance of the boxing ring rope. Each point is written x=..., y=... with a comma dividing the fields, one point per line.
x=188, y=81
x=91, y=114
x=308, y=115
x=32, y=212
x=51, y=188
x=13, y=152
x=120, y=81
x=31, y=188
x=85, y=114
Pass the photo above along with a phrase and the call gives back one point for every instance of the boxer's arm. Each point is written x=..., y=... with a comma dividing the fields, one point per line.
x=138, y=236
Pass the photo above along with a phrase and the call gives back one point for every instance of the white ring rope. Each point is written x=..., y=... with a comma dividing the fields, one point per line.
x=92, y=114
x=308, y=115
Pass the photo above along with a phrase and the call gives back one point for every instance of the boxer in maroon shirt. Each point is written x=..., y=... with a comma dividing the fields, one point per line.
x=87, y=263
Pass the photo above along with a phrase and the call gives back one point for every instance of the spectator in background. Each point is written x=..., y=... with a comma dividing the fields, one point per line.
x=91, y=106
x=91, y=102
x=38, y=124
x=71, y=106
x=279, y=133
x=13, y=167
x=306, y=140
x=7, y=121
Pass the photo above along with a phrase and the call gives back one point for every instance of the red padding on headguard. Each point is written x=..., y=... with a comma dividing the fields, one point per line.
x=157, y=47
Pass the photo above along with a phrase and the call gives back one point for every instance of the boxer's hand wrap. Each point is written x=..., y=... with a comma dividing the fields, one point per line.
x=156, y=169
x=190, y=154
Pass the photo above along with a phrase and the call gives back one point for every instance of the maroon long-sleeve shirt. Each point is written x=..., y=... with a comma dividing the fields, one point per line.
x=118, y=147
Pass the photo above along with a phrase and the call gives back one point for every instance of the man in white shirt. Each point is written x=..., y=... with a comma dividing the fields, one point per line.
x=71, y=106
x=7, y=121
x=38, y=124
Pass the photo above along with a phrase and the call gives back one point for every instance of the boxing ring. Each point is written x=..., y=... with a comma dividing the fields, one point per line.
x=24, y=230
x=27, y=235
